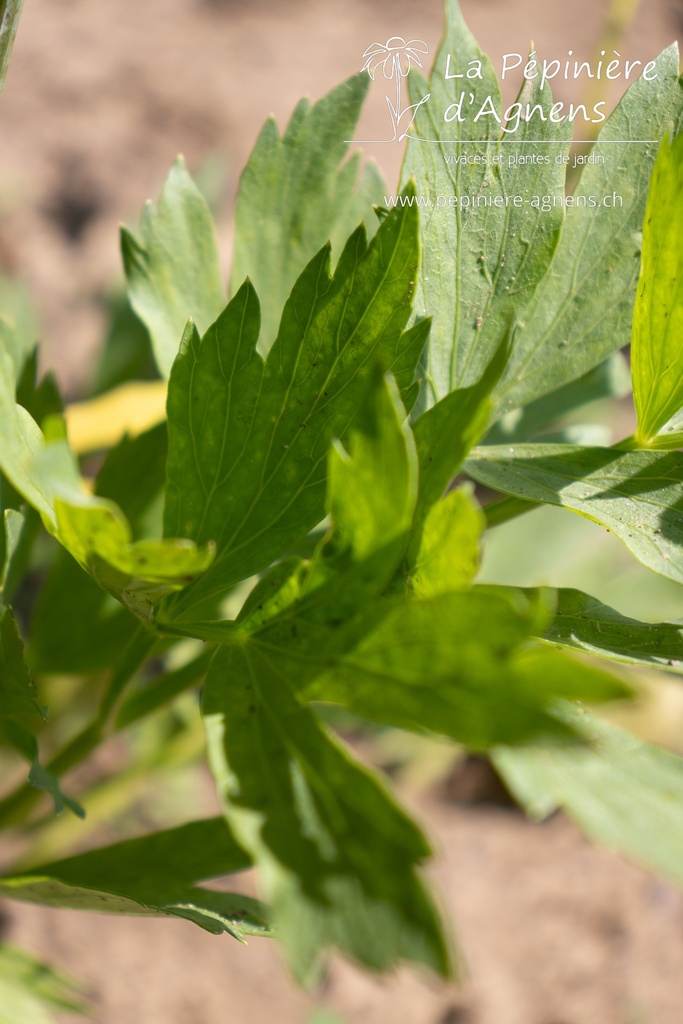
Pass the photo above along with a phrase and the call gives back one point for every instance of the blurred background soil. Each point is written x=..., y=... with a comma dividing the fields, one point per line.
x=100, y=98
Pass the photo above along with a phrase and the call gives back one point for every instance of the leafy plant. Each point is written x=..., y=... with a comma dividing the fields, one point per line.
x=301, y=542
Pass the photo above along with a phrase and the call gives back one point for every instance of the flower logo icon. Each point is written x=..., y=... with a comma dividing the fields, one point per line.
x=395, y=58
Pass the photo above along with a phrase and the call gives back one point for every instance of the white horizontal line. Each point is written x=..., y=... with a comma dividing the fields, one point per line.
x=519, y=142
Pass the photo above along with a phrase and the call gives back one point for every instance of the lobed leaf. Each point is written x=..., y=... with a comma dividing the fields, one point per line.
x=338, y=859
x=448, y=555
x=480, y=264
x=454, y=665
x=248, y=438
x=92, y=529
x=173, y=269
x=564, y=278
x=583, y=309
x=294, y=197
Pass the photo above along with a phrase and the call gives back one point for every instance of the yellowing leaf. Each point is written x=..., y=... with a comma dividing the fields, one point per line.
x=103, y=421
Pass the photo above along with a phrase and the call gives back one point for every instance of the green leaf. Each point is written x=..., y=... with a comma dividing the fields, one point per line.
x=173, y=269
x=338, y=858
x=583, y=309
x=18, y=703
x=584, y=623
x=12, y=531
x=372, y=489
x=17, y=345
x=99, y=537
x=449, y=552
x=88, y=632
x=31, y=990
x=248, y=439
x=454, y=665
x=155, y=874
x=9, y=22
x=27, y=745
x=294, y=197
x=636, y=495
x=565, y=277
x=480, y=264
x=18, y=693
x=371, y=494
x=92, y=529
x=621, y=792
x=445, y=433
x=656, y=351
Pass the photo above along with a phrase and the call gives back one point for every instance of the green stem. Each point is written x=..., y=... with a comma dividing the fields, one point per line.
x=136, y=653
x=18, y=804
x=506, y=509
x=670, y=442
x=629, y=444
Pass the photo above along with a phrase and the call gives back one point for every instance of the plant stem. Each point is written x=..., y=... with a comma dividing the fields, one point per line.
x=19, y=803
x=506, y=509
x=138, y=650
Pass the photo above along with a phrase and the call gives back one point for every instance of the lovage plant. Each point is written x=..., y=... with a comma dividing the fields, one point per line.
x=301, y=528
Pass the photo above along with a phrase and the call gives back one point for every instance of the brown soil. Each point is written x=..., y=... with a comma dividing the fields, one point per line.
x=553, y=932
x=99, y=100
